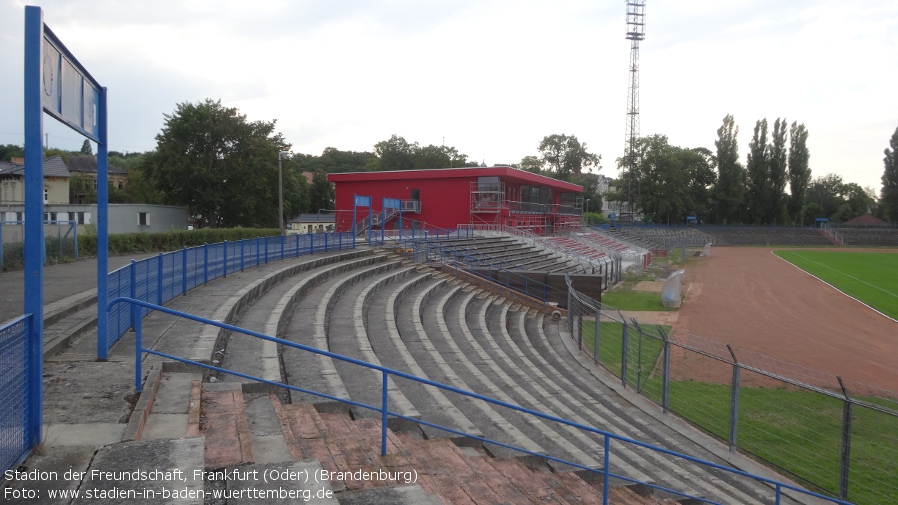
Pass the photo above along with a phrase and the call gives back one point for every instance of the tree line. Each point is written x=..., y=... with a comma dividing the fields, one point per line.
x=674, y=182
x=223, y=168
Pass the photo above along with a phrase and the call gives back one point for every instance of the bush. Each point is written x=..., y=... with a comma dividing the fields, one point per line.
x=130, y=243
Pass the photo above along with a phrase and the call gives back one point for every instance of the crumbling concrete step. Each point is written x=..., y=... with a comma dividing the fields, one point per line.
x=266, y=432
x=176, y=465
x=170, y=410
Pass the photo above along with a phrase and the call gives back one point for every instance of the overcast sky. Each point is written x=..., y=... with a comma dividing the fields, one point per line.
x=489, y=77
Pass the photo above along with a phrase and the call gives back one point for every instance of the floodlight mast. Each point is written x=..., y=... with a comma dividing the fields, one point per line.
x=635, y=33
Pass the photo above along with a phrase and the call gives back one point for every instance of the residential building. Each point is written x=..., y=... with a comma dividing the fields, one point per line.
x=56, y=182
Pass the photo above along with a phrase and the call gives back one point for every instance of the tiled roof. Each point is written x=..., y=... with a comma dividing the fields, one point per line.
x=53, y=167
x=89, y=164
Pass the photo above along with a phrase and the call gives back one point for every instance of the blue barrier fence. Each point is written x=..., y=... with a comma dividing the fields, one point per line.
x=161, y=278
x=605, y=437
x=17, y=403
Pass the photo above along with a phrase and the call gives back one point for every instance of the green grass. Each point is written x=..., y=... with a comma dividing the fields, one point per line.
x=795, y=430
x=800, y=432
x=628, y=299
x=871, y=277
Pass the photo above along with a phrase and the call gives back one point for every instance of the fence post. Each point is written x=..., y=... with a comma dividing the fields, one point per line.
x=133, y=290
x=734, y=401
x=242, y=253
x=638, y=357
x=283, y=243
x=297, y=244
x=625, y=346
x=266, y=250
x=206, y=263
x=159, y=282
x=138, y=347
x=224, y=262
x=845, y=459
x=184, y=270
x=665, y=373
x=311, y=243
x=383, y=416
x=595, y=337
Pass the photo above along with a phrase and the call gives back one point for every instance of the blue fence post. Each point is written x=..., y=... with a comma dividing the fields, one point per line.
x=312, y=244
x=266, y=250
x=607, y=459
x=184, y=270
x=133, y=290
x=205, y=263
x=283, y=242
x=325, y=242
x=383, y=417
x=159, y=281
x=242, y=254
x=224, y=261
x=138, y=351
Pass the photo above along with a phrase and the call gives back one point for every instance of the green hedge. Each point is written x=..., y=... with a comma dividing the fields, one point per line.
x=130, y=243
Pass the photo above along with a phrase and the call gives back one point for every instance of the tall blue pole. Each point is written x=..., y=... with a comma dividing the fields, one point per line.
x=102, y=230
x=34, y=214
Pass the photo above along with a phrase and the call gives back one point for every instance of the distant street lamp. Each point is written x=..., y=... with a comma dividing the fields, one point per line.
x=281, y=191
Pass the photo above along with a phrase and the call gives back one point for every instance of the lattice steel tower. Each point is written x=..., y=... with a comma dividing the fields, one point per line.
x=635, y=33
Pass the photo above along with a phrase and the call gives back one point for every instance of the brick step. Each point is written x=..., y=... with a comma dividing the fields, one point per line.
x=443, y=470
x=224, y=424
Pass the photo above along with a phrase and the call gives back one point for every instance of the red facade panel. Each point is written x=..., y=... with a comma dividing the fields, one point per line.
x=443, y=195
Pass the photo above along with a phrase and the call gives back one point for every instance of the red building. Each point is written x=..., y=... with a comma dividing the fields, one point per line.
x=446, y=198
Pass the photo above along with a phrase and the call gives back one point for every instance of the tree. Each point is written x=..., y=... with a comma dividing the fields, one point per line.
x=758, y=174
x=321, y=193
x=776, y=190
x=799, y=169
x=398, y=154
x=532, y=164
x=889, y=195
x=221, y=166
x=674, y=182
x=9, y=151
x=393, y=154
x=729, y=192
x=566, y=156
x=86, y=148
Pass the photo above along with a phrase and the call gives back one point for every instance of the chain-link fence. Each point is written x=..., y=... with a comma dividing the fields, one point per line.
x=835, y=436
x=60, y=242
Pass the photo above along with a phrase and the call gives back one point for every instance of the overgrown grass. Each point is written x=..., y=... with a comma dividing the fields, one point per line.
x=644, y=348
x=871, y=277
x=631, y=299
x=797, y=431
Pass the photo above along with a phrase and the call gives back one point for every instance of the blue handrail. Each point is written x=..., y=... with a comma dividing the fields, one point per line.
x=385, y=412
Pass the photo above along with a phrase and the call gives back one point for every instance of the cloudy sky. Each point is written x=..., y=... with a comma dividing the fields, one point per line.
x=489, y=77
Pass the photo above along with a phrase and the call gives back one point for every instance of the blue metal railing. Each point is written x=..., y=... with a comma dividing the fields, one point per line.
x=19, y=404
x=159, y=279
x=607, y=437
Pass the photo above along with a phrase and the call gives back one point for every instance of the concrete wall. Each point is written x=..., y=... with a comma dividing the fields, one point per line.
x=123, y=218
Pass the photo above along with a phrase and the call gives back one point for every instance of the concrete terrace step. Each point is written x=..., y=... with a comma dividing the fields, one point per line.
x=402, y=331
x=307, y=324
x=617, y=415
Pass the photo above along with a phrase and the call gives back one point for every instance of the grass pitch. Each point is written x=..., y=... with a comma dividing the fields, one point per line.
x=871, y=277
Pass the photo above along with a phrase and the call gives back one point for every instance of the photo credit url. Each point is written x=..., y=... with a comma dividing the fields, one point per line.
x=177, y=484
